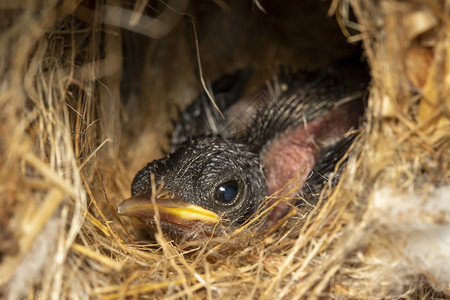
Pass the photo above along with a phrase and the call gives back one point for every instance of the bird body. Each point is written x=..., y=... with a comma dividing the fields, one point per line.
x=222, y=169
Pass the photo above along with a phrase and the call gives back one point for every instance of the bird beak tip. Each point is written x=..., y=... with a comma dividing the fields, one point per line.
x=170, y=209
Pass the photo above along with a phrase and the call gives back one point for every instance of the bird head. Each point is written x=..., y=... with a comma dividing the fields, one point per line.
x=299, y=132
x=205, y=181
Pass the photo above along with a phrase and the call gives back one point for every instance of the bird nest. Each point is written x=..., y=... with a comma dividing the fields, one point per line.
x=77, y=124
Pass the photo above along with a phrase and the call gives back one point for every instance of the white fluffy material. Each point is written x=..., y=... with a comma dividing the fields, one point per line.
x=422, y=223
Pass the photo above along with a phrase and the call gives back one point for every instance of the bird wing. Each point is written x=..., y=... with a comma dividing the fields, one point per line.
x=304, y=130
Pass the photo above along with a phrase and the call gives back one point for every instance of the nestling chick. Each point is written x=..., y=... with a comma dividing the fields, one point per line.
x=221, y=169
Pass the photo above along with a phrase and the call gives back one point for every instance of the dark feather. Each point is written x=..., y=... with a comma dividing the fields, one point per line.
x=201, y=117
x=296, y=124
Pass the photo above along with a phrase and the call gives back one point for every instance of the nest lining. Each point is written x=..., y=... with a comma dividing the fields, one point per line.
x=64, y=147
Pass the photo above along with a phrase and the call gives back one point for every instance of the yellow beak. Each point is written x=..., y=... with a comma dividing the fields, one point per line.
x=169, y=207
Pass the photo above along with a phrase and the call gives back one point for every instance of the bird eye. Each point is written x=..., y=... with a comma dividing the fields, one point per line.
x=227, y=191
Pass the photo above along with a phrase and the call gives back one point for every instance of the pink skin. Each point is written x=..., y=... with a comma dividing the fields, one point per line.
x=296, y=151
x=240, y=115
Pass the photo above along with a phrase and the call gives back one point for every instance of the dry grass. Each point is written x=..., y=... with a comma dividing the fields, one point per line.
x=383, y=232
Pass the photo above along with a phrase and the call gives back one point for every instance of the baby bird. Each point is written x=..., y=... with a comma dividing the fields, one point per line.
x=220, y=169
